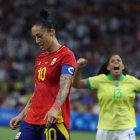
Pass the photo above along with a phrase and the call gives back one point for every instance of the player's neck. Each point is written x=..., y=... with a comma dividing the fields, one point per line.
x=54, y=46
x=116, y=77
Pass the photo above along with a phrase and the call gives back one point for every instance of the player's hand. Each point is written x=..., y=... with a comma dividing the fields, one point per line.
x=81, y=62
x=14, y=122
x=51, y=116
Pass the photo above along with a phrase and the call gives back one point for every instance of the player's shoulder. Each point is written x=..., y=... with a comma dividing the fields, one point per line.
x=44, y=54
x=100, y=77
x=131, y=78
x=66, y=51
x=40, y=56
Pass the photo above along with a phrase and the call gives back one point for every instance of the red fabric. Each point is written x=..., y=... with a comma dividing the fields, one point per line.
x=47, y=76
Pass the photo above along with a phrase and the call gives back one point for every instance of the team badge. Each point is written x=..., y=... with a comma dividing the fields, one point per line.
x=53, y=61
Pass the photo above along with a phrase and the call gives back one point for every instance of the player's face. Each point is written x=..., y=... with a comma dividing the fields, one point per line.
x=42, y=37
x=115, y=65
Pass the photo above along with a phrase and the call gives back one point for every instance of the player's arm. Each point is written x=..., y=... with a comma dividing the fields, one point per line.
x=64, y=87
x=26, y=108
x=77, y=82
x=65, y=82
x=14, y=122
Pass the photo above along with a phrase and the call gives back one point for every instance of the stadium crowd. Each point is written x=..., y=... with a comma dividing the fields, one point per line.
x=91, y=28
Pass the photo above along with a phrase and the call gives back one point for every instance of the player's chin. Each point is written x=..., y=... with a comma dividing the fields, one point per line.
x=117, y=73
x=43, y=49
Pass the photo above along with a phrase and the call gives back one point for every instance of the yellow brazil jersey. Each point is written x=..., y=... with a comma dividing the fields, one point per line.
x=116, y=100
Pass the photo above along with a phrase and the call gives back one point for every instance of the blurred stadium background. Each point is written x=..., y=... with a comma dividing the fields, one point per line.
x=91, y=28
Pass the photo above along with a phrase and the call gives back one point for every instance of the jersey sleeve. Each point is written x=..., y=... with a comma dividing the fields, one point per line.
x=136, y=83
x=92, y=82
x=69, y=59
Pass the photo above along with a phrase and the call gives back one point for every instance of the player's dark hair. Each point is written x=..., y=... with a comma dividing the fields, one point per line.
x=103, y=69
x=46, y=20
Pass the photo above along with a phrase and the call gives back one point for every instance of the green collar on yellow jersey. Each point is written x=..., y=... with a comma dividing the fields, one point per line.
x=111, y=78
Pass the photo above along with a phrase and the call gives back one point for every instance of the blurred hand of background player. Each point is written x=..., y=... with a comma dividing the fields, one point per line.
x=81, y=62
x=51, y=116
x=14, y=122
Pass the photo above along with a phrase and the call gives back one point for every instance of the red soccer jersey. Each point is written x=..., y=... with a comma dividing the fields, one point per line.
x=47, y=78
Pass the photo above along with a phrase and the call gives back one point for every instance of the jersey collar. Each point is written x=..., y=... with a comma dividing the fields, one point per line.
x=111, y=78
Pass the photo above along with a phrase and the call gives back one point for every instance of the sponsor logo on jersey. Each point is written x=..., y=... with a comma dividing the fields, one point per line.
x=39, y=63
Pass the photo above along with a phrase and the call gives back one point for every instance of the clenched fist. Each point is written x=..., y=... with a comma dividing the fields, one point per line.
x=81, y=62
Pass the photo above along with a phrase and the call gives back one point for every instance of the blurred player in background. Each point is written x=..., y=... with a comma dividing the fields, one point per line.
x=116, y=91
x=47, y=114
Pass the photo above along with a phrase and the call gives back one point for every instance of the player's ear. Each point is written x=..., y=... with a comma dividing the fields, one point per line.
x=52, y=32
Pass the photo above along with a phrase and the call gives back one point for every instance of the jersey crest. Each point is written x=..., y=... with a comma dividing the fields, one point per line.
x=53, y=61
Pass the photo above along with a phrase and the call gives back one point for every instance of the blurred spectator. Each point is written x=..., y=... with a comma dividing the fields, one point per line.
x=92, y=29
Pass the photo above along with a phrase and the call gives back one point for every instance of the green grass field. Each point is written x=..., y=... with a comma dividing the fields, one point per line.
x=7, y=134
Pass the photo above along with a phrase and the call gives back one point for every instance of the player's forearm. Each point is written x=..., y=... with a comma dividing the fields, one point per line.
x=76, y=80
x=65, y=82
x=26, y=108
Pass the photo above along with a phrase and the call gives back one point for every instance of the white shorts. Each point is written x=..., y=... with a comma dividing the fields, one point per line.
x=126, y=134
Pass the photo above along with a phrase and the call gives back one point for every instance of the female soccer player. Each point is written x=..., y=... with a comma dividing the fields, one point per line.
x=47, y=115
x=116, y=91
